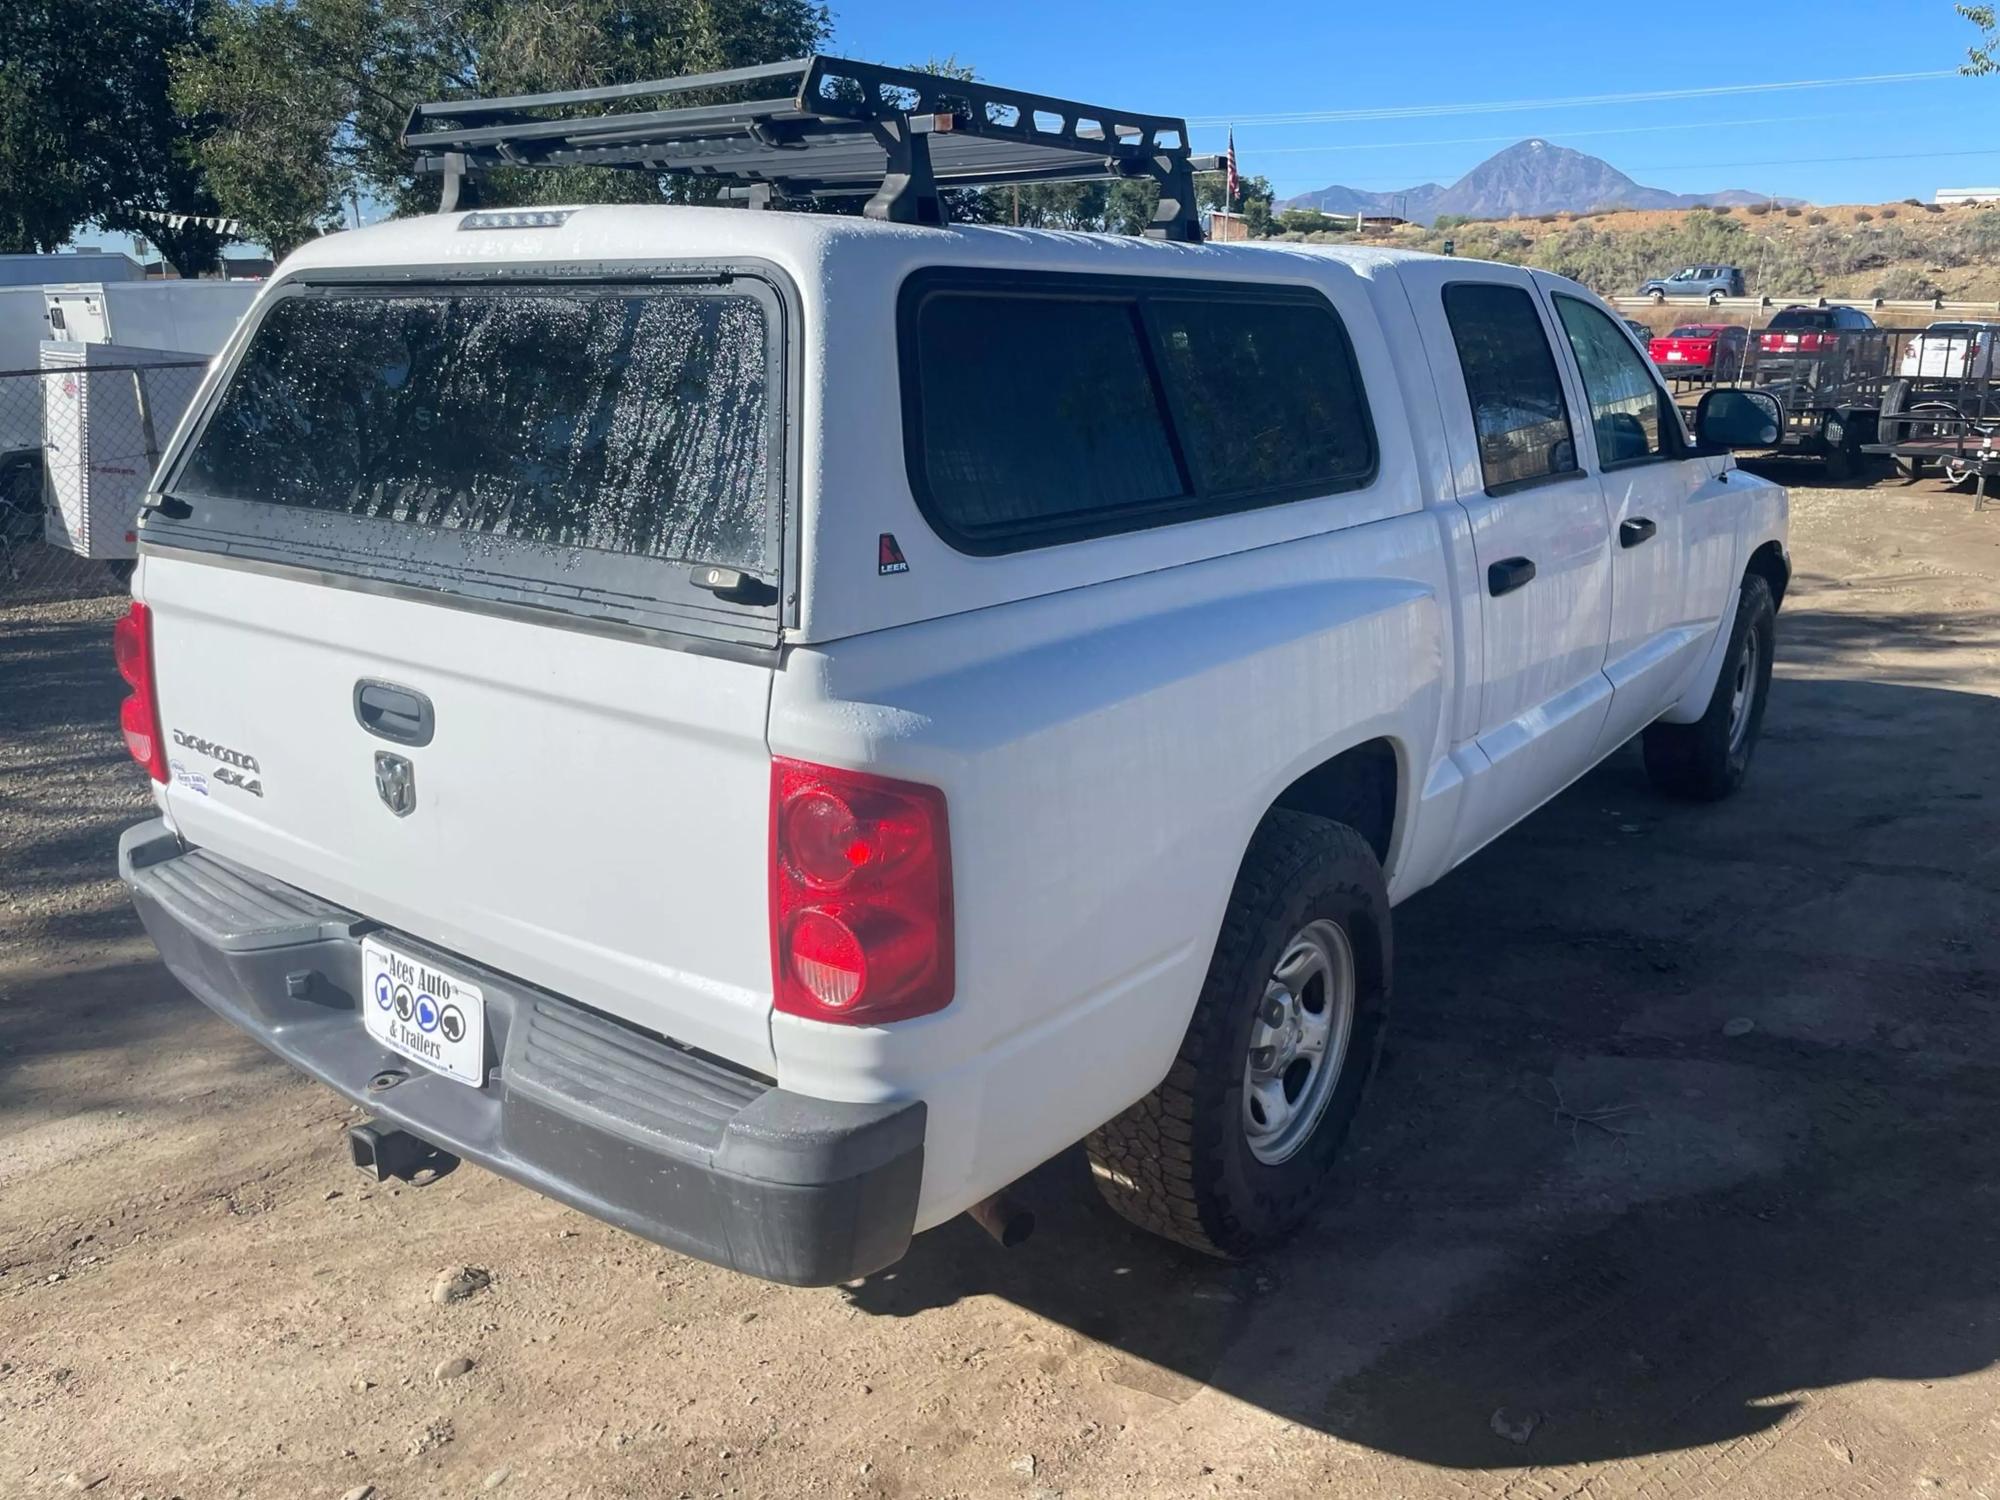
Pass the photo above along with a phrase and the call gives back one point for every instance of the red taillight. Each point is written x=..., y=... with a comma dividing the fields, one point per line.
x=861, y=922
x=139, y=715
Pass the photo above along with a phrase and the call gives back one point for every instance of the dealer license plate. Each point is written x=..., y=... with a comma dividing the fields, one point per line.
x=411, y=1006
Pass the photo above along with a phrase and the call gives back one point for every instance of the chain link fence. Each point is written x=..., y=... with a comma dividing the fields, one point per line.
x=79, y=441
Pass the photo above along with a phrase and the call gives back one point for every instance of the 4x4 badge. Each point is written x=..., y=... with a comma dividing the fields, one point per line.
x=396, y=783
x=888, y=556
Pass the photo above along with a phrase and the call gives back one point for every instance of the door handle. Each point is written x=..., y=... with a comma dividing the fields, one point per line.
x=1509, y=574
x=1635, y=531
x=394, y=713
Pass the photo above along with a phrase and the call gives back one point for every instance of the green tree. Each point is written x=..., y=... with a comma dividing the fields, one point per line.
x=1311, y=221
x=311, y=96
x=1984, y=55
x=87, y=130
x=1254, y=200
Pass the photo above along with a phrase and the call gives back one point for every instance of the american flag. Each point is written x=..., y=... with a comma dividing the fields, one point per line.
x=1231, y=184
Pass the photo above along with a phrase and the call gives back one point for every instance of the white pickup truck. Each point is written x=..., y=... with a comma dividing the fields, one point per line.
x=765, y=727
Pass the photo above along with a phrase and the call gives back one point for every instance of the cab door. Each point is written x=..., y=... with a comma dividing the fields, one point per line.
x=1647, y=475
x=1542, y=545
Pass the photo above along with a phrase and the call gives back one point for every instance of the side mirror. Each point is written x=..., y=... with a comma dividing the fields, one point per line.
x=1738, y=419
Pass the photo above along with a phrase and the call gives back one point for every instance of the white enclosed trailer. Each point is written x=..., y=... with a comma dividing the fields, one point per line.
x=118, y=363
x=105, y=409
x=191, y=315
x=21, y=335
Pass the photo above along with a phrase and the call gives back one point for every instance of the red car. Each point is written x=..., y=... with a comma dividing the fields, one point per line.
x=1701, y=351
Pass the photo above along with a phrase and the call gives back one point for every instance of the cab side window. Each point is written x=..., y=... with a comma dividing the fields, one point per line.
x=1512, y=383
x=1629, y=412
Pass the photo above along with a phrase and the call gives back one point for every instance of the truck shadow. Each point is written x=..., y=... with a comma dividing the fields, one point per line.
x=1579, y=1206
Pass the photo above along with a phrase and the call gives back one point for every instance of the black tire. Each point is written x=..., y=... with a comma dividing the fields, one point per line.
x=21, y=503
x=1180, y=1162
x=1715, y=299
x=1658, y=296
x=1704, y=761
x=1944, y=419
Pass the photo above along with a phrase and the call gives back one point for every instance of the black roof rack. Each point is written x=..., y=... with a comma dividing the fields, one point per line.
x=843, y=128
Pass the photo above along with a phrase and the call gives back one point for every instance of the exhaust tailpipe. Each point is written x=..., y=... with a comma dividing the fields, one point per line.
x=1004, y=1217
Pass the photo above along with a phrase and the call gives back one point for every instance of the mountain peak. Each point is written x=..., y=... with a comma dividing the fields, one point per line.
x=1532, y=176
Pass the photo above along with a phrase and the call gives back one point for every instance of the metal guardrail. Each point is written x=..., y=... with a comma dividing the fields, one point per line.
x=1866, y=304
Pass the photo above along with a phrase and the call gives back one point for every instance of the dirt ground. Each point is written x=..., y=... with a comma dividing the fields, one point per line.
x=1669, y=1256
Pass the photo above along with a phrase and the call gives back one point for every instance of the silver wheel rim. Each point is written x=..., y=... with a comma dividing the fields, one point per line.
x=1298, y=1042
x=1742, y=693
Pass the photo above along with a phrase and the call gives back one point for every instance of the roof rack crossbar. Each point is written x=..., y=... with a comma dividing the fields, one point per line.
x=467, y=109
x=849, y=127
x=682, y=123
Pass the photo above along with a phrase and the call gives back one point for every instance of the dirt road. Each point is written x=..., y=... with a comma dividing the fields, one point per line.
x=1595, y=1239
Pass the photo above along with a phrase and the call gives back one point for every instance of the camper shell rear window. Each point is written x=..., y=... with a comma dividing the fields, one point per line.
x=587, y=447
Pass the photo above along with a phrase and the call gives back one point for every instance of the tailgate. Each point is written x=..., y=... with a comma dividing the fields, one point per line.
x=590, y=813
x=437, y=636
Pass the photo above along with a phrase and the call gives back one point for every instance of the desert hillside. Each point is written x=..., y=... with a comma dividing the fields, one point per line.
x=1894, y=250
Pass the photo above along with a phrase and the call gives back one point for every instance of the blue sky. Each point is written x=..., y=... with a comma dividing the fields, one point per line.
x=1439, y=63
x=1431, y=90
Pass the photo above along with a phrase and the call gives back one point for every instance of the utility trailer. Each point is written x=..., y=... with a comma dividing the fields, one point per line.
x=1924, y=397
x=1828, y=383
x=1940, y=412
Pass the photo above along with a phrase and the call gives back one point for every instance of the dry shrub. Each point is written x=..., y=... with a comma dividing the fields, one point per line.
x=1887, y=213
x=1815, y=218
x=1862, y=216
x=1907, y=284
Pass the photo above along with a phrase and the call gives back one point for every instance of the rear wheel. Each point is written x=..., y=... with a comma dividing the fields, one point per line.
x=1841, y=438
x=1233, y=1149
x=1708, y=759
x=1943, y=421
x=1715, y=298
x=20, y=499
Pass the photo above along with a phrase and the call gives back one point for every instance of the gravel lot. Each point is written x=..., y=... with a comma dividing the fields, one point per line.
x=1597, y=1239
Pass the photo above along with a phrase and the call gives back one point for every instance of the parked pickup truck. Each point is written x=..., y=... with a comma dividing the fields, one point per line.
x=765, y=727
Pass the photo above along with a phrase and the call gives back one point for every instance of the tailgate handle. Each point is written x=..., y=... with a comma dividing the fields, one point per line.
x=395, y=713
